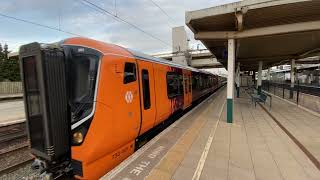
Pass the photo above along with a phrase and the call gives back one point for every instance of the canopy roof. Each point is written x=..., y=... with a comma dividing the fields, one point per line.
x=272, y=31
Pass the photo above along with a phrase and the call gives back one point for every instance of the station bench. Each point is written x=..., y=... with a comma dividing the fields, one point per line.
x=258, y=98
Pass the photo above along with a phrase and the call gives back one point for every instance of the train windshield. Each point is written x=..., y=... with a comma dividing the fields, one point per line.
x=82, y=71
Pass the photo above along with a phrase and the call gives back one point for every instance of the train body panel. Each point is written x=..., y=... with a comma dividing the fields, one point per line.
x=162, y=101
x=187, y=85
x=133, y=94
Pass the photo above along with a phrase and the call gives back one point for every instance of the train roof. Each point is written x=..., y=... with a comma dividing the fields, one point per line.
x=106, y=47
x=140, y=55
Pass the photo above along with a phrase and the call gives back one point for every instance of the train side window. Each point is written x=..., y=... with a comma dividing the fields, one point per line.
x=174, y=84
x=180, y=83
x=190, y=84
x=185, y=85
x=129, y=73
x=194, y=82
x=146, y=89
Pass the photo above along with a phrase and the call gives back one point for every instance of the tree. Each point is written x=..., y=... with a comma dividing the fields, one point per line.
x=9, y=68
x=1, y=53
x=5, y=51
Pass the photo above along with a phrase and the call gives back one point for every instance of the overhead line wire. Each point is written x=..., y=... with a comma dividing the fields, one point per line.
x=163, y=11
x=38, y=24
x=118, y=18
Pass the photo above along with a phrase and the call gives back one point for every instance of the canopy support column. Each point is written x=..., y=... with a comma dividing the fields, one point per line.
x=230, y=84
x=268, y=77
x=259, y=83
x=293, y=66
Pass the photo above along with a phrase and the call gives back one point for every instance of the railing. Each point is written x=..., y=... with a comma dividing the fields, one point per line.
x=304, y=95
x=10, y=88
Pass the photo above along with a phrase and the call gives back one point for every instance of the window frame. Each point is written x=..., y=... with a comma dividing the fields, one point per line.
x=177, y=77
x=146, y=97
x=125, y=81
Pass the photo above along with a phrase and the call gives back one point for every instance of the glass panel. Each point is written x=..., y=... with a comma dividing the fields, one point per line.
x=146, y=89
x=190, y=84
x=129, y=73
x=82, y=75
x=33, y=101
x=31, y=83
x=174, y=84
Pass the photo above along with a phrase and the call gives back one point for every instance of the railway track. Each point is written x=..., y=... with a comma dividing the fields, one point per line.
x=12, y=132
x=14, y=148
x=15, y=166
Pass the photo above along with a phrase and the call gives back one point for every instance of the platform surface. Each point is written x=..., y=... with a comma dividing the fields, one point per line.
x=303, y=125
x=202, y=145
x=11, y=111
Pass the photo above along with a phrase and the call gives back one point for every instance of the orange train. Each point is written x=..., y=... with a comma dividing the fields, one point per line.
x=88, y=102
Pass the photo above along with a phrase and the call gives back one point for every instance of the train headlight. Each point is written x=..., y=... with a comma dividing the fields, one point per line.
x=77, y=137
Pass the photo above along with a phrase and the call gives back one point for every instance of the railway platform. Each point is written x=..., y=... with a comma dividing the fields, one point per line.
x=6, y=97
x=11, y=112
x=261, y=143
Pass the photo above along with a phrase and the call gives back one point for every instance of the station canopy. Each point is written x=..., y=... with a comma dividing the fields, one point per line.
x=272, y=31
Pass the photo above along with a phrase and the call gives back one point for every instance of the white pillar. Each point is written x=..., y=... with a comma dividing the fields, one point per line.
x=230, y=84
x=259, y=82
x=268, y=78
x=293, y=65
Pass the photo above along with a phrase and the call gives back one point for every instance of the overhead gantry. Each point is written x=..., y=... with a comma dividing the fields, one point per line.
x=257, y=34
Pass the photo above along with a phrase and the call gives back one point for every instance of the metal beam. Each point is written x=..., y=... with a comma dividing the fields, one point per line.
x=265, y=31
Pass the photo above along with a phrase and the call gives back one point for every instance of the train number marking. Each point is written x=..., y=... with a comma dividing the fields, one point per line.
x=128, y=97
x=119, y=153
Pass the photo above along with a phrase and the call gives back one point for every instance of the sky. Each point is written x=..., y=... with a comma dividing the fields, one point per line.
x=78, y=17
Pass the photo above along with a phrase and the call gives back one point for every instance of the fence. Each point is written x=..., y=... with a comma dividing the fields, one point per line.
x=10, y=88
x=304, y=95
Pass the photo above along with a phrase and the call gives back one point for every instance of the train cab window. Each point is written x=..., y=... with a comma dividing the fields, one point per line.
x=82, y=71
x=146, y=89
x=174, y=84
x=129, y=73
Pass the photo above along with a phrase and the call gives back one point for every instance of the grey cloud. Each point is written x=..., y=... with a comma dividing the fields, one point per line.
x=78, y=18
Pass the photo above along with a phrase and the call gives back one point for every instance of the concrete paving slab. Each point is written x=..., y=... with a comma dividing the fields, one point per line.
x=165, y=140
x=253, y=147
x=11, y=111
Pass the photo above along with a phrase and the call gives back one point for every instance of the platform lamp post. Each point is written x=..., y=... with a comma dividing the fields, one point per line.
x=230, y=84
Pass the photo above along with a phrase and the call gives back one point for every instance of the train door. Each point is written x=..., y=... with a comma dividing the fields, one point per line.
x=186, y=90
x=148, y=96
x=127, y=111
